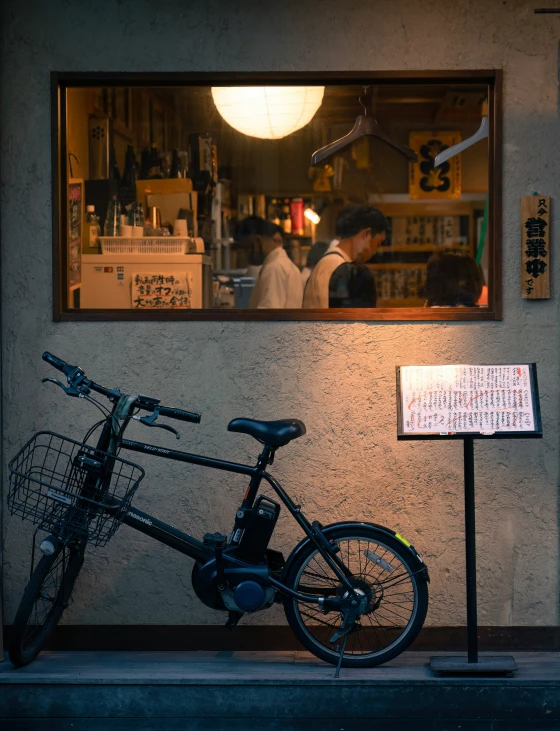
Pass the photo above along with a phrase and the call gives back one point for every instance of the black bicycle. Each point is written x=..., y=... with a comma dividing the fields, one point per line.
x=355, y=594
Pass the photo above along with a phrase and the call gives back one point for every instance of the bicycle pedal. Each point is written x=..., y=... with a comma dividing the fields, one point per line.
x=233, y=619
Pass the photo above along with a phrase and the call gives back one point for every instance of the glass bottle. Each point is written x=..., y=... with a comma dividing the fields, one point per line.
x=272, y=213
x=296, y=214
x=130, y=175
x=155, y=164
x=92, y=232
x=165, y=165
x=175, y=171
x=145, y=164
x=285, y=218
x=136, y=215
x=113, y=220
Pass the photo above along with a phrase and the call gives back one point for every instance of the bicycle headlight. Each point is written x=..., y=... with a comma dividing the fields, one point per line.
x=48, y=546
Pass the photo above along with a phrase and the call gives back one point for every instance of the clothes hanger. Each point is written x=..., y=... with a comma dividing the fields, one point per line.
x=365, y=125
x=460, y=146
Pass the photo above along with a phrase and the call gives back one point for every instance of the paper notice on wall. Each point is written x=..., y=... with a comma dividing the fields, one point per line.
x=162, y=290
x=466, y=399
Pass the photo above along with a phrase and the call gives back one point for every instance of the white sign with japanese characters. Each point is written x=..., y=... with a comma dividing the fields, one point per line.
x=161, y=290
x=456, y=399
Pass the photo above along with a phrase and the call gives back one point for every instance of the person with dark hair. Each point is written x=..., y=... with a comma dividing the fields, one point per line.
x=341, y=278
x=278, y=284
x=454, y=279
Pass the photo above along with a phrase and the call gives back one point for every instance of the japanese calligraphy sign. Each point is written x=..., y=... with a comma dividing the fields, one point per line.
x=535, y=247
x=428, y=182
x=162, y=290
x=451, y=400
x=75, y=226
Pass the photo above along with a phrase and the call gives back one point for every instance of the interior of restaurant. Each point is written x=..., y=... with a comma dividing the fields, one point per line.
x=173, y=190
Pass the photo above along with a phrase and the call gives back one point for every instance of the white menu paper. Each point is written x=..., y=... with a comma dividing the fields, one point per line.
x=457, y=399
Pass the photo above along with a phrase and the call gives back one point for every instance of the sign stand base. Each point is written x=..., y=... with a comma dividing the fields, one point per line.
x=487, y=665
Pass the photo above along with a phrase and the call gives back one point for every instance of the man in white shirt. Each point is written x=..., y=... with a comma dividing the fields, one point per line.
x=341, y=278
x=278, y=284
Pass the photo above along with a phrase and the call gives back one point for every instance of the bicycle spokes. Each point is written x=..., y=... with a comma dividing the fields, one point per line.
x=383, y=584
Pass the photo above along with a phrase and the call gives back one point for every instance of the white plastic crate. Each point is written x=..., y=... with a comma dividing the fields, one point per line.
x=146, y=245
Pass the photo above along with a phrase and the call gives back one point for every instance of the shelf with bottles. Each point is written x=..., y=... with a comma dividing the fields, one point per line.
x=288, y=212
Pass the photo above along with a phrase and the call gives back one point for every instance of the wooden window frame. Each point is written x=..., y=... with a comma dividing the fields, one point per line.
x=61, y=81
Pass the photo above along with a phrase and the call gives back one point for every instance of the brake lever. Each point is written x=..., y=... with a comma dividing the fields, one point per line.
x=149, y=421
x=69, y=390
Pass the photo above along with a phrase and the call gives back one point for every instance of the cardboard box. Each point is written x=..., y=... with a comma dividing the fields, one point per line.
x=161, y=187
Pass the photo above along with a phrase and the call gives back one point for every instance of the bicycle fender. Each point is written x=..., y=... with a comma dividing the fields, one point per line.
x=327, y=529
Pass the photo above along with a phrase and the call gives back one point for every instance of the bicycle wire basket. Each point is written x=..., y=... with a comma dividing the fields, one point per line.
x=71, y=489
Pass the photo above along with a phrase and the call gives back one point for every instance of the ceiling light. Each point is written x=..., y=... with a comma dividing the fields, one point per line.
x=268, y=112
x=312, y=215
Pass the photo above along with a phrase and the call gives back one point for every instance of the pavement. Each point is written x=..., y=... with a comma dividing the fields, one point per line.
x=211, y=691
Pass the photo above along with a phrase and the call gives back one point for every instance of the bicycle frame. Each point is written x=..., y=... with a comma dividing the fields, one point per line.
x=187, y=544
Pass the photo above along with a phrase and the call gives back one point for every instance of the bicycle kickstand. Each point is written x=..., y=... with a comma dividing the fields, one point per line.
x=337, y=673
x=233, y=619
x=348, y=624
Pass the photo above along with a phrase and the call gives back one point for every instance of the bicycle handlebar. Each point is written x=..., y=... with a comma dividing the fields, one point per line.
x=59, y=364
x=71, y=371
x=179, y=414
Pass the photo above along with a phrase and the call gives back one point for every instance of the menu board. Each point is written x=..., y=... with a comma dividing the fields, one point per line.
x=454, y=400
x=159, y=290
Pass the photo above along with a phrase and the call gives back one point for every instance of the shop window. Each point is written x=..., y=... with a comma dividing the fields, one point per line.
x=223, y=197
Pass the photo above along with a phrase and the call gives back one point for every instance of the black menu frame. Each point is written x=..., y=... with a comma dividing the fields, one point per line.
x=536, y=434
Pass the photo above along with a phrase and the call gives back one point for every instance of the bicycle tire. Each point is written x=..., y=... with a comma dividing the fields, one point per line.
x=388, y=546
x=48, y=584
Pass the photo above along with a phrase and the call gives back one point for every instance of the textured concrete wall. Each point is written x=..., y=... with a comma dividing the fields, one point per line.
x=339, y=378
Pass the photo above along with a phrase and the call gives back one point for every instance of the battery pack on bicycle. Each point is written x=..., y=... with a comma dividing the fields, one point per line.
x=354, y=593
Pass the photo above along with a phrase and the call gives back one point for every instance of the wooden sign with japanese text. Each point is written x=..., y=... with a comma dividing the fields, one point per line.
x=450, y=401
x=171, y=290
x=535, y=247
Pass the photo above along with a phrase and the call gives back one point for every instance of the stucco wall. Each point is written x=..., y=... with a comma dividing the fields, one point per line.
x=339, y=378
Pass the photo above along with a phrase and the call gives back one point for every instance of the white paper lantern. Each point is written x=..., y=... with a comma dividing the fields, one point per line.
x=268, y=112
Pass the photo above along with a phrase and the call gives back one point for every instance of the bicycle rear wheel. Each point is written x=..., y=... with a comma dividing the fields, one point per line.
x=44, y=600
x=384, y=571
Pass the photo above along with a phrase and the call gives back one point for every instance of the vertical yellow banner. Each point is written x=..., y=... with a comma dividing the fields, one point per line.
x=425, y=181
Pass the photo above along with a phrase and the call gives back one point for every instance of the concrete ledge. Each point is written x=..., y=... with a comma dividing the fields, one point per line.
x=264, y=724
x=276, y=687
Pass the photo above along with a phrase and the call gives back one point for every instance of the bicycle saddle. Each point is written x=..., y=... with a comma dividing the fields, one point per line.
x=271, y=433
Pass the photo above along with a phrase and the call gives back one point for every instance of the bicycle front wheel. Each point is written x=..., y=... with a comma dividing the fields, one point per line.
x=45, y=598
x=382, y=569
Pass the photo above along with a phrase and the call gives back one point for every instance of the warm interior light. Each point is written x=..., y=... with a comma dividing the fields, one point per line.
x=312, y=215
x=267, y=112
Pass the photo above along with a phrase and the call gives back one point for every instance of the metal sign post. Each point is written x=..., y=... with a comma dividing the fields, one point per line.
x=450, y=402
